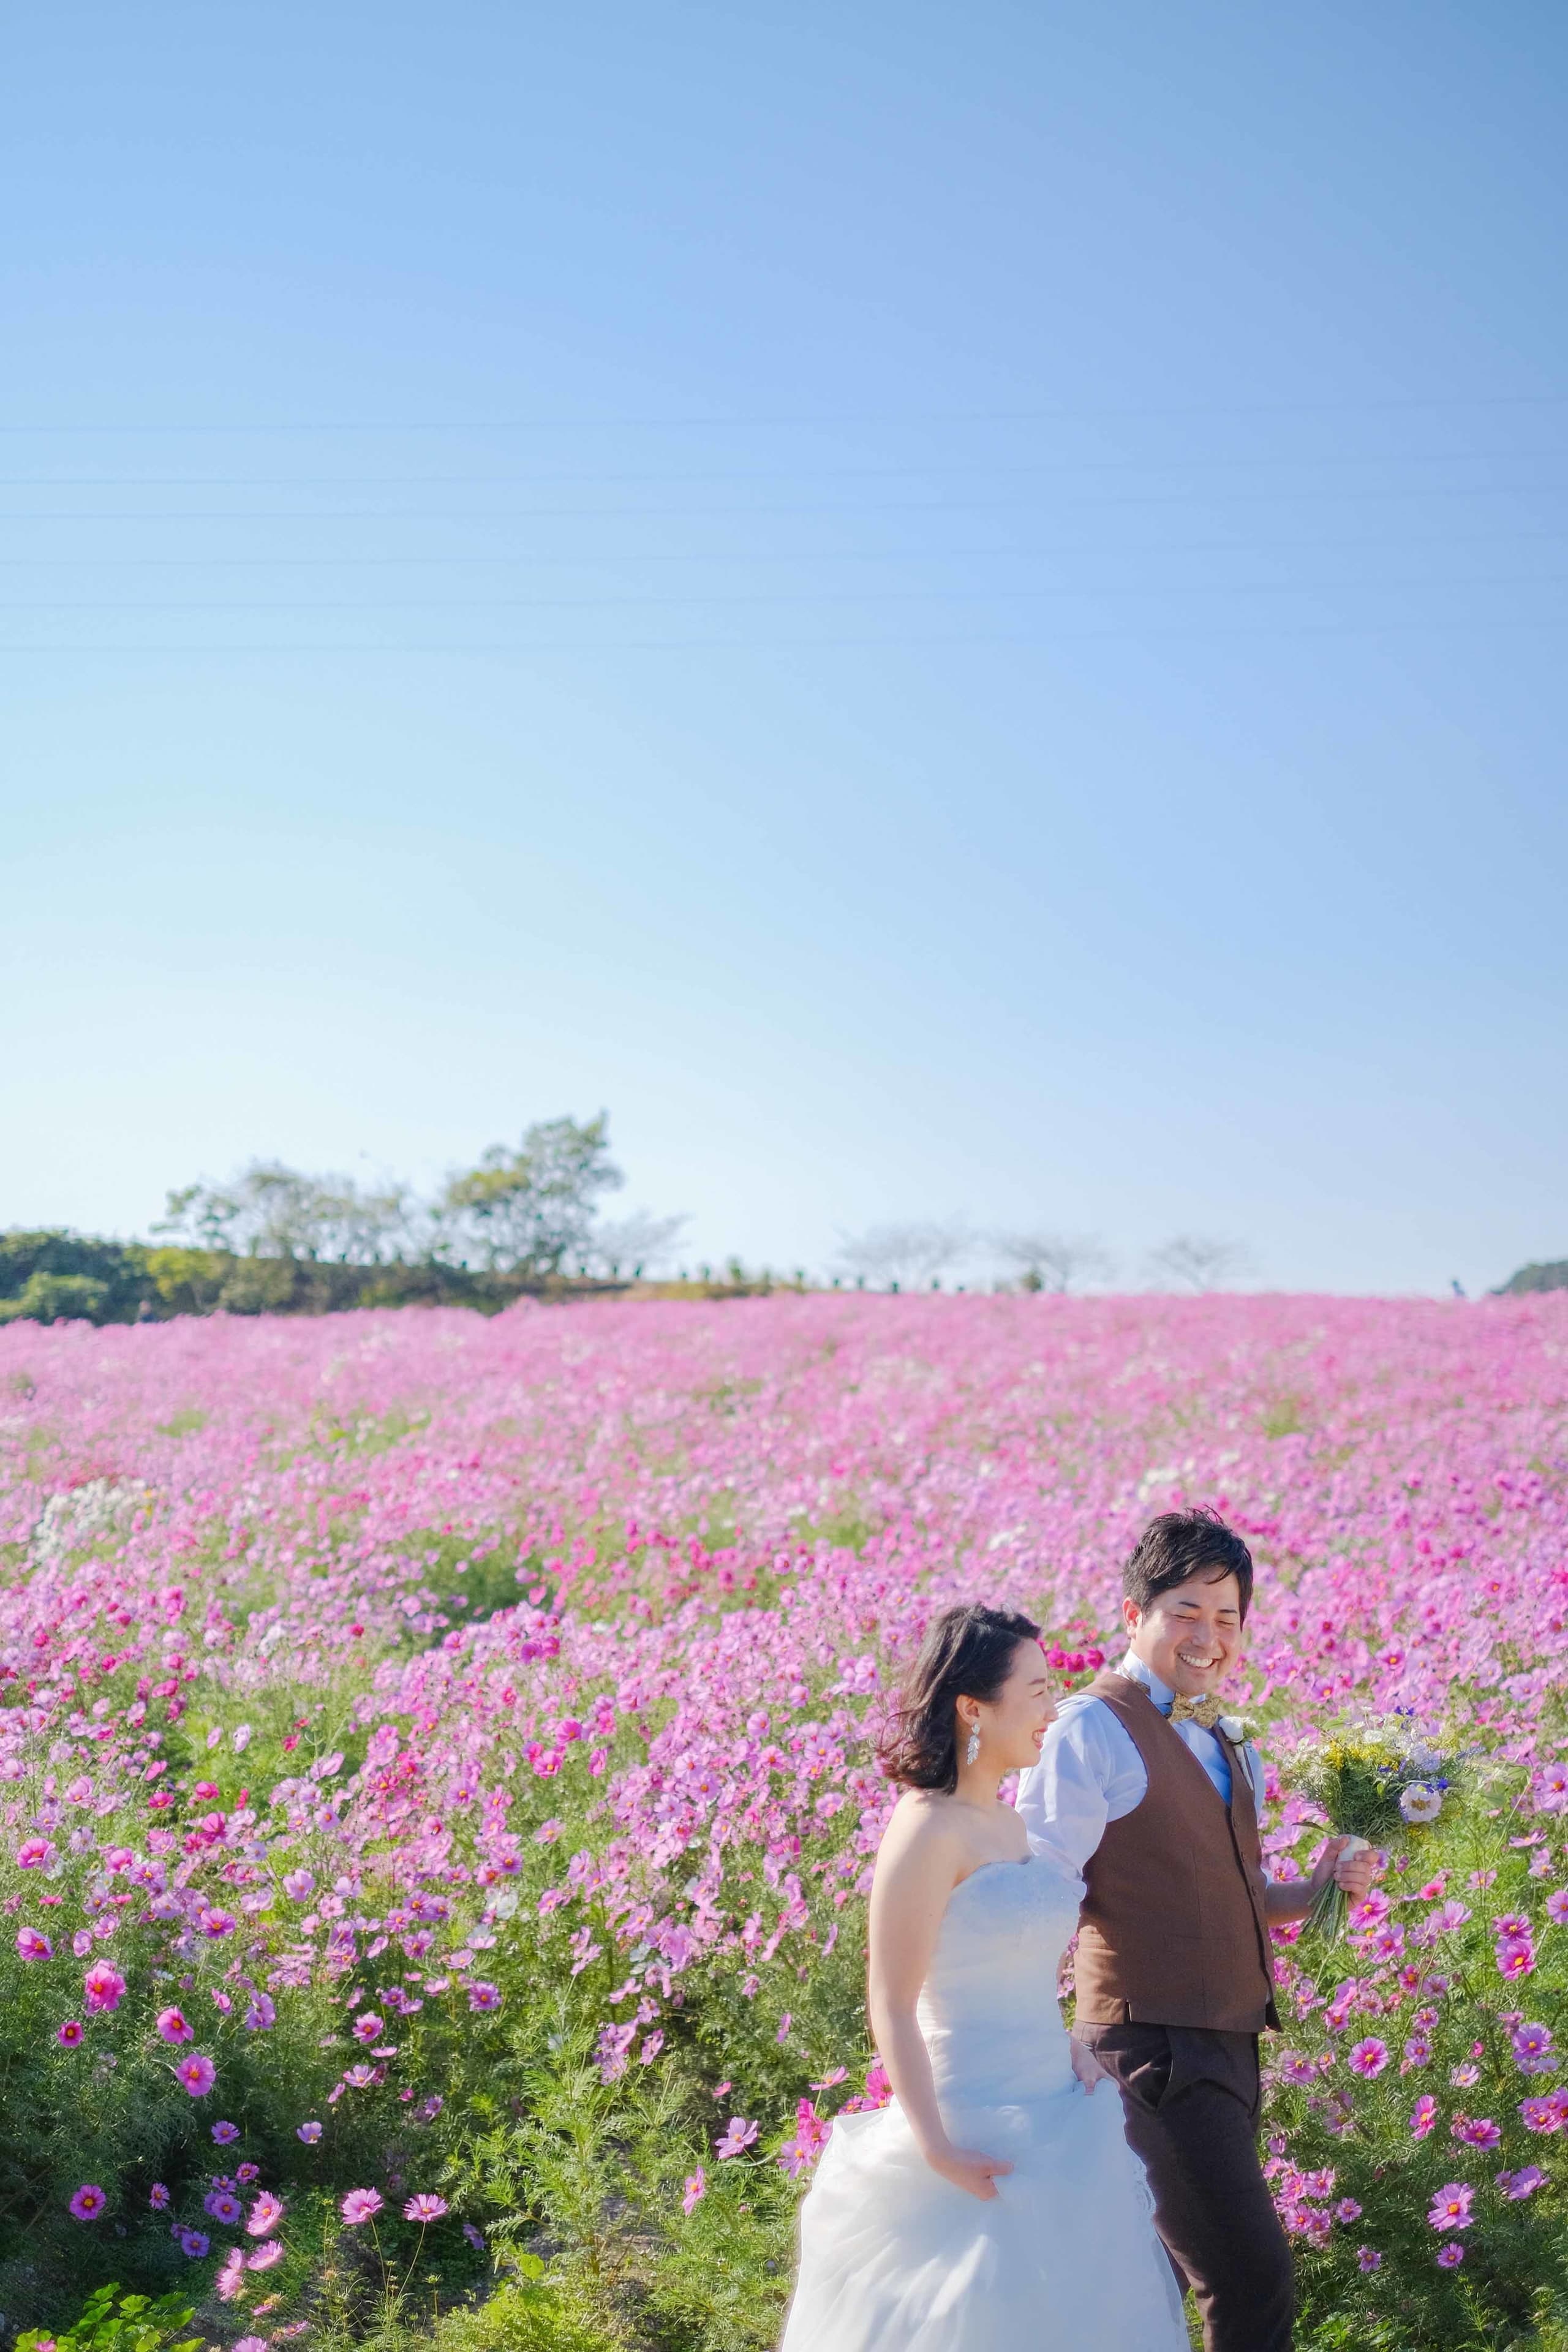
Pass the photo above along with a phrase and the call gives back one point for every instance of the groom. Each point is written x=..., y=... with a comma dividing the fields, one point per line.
x=1145, y=1788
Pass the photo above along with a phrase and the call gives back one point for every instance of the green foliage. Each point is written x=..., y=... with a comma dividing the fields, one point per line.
x=1542, y=1274
x=113, y=2322
x=530, y=1210
x=47, y=1274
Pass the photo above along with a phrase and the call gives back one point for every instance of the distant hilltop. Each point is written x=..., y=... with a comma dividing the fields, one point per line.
x=1552, y=1276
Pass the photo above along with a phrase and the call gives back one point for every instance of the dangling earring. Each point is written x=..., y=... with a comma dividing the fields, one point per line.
x=973, y=1750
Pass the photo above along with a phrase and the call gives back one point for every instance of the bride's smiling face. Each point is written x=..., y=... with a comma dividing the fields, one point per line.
x=1013, y=1723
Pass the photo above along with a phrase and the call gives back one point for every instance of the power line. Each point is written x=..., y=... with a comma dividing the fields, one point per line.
x=740, y=513
x=768, y=555
x=710, y=422
x=1031, y=470
x=829, y=644
x=798, y=596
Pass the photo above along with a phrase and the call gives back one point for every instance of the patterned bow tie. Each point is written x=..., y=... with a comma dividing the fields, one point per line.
x=1203, y=1711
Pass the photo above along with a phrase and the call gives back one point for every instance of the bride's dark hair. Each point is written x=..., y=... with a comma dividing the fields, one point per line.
x=967, y=1654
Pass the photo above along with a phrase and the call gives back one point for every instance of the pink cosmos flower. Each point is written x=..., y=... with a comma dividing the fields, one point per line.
x=1297, y=2070
x=88, y=2202
x=1530, y=2040
x=195, y=2074
x=70, y=2033
x=1539, y=2115
x=216, y=1923
x=737, y=2138
x=694, y=2191
x=1368, y=2057
x=158, y=2197
x=248, y=2172
x=1475, y=2132
x=171, y=2024
x=310, y=2133
x=1347, y=2210
x=250, y=2343
x=262, y=2014
x=34, y=1853
x=298, y=1885
x=231, y=2276
x=31, y=1945
x=1452, y=1915
x=366, y=2027
x=1450, y=2208
x=426, y=2209
x=1513, y=1928
x=265, y=2255
x=1515, y=1960
x=264, y=2215
x=486, y=1996
x=360, y=2205
x=104, y=1987
x=1423, y=2116
x=1450, y=2256
x=1368, y=2258
x=476, y=2238
x=1557, y=1906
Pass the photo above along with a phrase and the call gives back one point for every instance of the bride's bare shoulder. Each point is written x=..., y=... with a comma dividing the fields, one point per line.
x=924, y=1819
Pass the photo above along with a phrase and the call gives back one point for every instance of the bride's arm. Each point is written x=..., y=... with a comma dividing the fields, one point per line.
x=917, y=1868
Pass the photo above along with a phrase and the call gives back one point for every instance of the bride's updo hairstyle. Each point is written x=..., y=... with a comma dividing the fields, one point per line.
x=967, y=1654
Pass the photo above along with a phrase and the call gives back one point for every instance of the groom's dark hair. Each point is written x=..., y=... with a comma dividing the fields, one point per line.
x=1180, y=1544
x=968, y=1652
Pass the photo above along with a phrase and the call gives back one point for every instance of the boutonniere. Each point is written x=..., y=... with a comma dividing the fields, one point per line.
x=1235, y=1729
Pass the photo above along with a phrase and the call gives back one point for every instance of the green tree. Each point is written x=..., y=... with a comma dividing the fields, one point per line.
x=530, y=1210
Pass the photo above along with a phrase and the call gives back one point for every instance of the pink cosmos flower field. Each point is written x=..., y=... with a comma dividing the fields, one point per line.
x=422, y=1732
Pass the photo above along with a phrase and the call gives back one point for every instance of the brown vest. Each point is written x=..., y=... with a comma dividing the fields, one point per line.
x=1173, y=1930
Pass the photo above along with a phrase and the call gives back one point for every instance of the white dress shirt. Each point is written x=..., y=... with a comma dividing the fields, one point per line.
x=1090, y=1774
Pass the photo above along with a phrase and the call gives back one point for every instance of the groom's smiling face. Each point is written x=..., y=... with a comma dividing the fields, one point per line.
x=1188, y=1636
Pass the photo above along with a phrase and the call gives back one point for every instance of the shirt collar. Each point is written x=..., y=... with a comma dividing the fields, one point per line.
x=1134, y=1670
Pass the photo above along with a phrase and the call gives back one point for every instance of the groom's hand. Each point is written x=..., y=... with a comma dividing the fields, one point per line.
x=1352, y=1872
x=1086, y=2066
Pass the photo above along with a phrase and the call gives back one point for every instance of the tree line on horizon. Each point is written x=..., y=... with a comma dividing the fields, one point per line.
x=519, y=1221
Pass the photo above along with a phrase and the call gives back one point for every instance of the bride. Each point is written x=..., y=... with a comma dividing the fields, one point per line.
x=995, y=2203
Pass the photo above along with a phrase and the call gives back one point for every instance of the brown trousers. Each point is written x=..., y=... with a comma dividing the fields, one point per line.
x=1192, y=2100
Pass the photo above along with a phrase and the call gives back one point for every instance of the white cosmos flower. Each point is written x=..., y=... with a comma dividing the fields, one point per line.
x=1419, y=1803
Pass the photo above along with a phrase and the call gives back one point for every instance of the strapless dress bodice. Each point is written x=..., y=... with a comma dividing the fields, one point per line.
x=988, y=2010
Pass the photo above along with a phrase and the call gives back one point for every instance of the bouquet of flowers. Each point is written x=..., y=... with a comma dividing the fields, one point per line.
x=1374, y=1779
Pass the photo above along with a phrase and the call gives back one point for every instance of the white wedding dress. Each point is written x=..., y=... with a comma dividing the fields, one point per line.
x=895, y=2259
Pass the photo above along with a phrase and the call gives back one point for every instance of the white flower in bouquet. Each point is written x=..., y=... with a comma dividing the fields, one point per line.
x=1420, y=1803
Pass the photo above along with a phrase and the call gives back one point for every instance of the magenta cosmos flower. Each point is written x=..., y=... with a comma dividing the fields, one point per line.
x=1368, y=2057
x=104, y=1987
x=360, y=2205
x=158, y=2197
x=265, y=2214
x=366, y=2027
x=195, y=2074
x=71, y=2032
x=1423, y=2116
x=1450, y=2256
x=738, y=2135
x=31, y=1945
x=1368, y=2258
x=1450, y=2208
x=171, y=2025
x=1523, y=2183
x=484, y=1996
x=34, y=1853
x=88, y=2202
x=423, y=2208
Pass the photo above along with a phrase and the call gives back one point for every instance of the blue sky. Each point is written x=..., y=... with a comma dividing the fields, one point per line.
x=947, y=611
